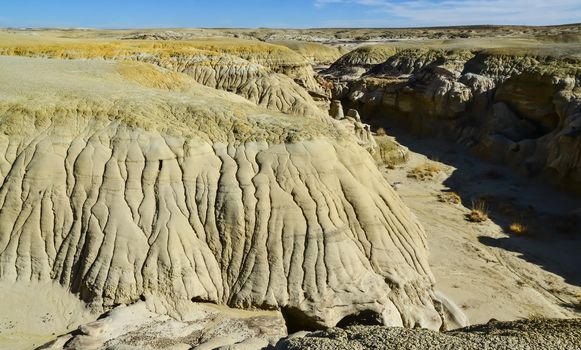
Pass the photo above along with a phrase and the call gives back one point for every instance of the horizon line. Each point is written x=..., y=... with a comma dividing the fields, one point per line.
x=297, y=28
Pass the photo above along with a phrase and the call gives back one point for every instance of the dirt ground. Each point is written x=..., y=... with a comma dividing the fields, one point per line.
x=488, y=270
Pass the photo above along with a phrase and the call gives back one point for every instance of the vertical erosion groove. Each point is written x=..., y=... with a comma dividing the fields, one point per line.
x=121, y=213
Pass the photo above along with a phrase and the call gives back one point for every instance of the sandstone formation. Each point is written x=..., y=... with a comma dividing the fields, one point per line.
x=352, y=124
x=202, y=326
x=347, y=37
x=207, y=189
x=122, y=191
x=354, y=64
x=521, y=110
x=336, y=111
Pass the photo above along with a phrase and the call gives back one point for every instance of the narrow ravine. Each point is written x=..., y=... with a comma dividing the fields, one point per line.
x=486, y=270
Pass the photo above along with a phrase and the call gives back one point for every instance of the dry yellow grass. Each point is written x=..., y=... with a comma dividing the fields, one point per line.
x=517, y=228
x=76, y=92
x=449, y=197
x=148, y=75
x=69, y=48
x=479, y=213
x=425, y=171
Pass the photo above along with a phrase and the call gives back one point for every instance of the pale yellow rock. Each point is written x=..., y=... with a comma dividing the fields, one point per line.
x=118, y=191
x=203, y=326
x=32, y=313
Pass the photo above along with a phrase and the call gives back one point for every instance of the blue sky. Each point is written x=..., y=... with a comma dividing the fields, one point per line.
x=283, y=14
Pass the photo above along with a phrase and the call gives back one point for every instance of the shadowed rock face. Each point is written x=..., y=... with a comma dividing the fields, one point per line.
x=120, y=191
x=520, y=110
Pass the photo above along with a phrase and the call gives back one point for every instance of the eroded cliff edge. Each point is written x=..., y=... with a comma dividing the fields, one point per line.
x=520, y=107
x=121, y=191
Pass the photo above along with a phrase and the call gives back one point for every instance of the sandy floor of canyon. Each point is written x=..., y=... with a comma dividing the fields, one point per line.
x=482, y=267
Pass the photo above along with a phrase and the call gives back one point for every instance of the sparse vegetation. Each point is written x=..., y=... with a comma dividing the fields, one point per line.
x=517, y=228
x=55, y=47
x=149, y=75
x=426, y=171
x=389, y=152
x=479, y=213
x=449, y=197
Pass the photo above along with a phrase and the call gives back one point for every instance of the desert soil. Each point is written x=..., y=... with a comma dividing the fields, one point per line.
x=482, y=267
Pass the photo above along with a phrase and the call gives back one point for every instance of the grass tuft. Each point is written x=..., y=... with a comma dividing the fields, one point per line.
x=449, y=197
x=426, y=171
x=479, y=213
x=517, y=228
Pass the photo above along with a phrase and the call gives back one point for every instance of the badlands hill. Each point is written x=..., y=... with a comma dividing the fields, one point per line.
x=206, y=188
x=123, y=186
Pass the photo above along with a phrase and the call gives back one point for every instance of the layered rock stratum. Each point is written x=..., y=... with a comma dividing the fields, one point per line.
x=519, y=107
x=121, y=190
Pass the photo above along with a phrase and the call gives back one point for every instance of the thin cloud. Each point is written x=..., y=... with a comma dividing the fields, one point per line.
x=457, y=12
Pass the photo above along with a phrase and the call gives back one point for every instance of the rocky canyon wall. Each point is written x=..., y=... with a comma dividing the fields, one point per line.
x=517, y=109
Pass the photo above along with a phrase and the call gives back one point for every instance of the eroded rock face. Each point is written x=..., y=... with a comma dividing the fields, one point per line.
x=118, y=191
x=354, y=64
x=352, y=124
x=509, y=109
x=253, y=81
x=202, y=326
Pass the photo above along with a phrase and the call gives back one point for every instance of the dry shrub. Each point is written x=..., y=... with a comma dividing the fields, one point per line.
x=389, y=152
x=449, y=197
x=381, y=132
x=517, y=228
x=478, y=213
x=426, y=171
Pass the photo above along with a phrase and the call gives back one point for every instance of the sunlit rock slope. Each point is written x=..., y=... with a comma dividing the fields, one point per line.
x=122, y=186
